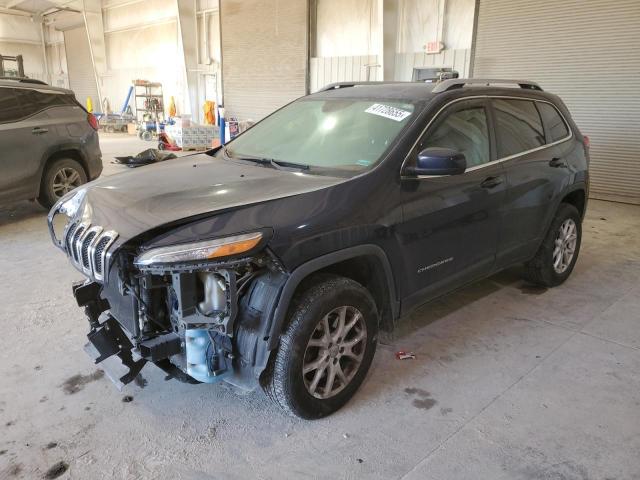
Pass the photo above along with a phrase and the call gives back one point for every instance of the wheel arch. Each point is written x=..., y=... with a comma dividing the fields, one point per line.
x=73, y=153
x=366, y=264
x=577, y=198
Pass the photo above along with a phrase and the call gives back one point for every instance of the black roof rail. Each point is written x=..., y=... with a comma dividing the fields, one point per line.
x=338, y=85
x=25, y=80
x=454, y=83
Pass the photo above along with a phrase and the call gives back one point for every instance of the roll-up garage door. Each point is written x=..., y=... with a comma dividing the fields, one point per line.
x=81, y=78
x=587, y=52
x=264, y=55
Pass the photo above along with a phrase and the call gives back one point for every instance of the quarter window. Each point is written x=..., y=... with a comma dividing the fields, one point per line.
x=9, y=107
x=466, y=132
x=34, y=101
x=519, y=126
x=555, y=124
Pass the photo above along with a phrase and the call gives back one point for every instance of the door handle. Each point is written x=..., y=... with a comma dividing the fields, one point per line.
x=39, y=131
x=557, y=163
x=491, y=182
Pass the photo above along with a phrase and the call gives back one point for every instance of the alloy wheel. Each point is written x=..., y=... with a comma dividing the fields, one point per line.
x=334, y=352
x=65, y=180
x=565, y=245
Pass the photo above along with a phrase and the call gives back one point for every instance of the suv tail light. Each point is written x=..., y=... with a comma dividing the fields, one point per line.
x=93, y=121
x=587, y=142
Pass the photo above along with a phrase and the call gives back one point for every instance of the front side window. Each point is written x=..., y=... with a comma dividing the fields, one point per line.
x=9, y=107
x=464, y=131
x=519, y=126
x=346, y=136
x=558, y=130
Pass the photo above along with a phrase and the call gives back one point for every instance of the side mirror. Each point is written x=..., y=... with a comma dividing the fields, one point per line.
x=439, y=161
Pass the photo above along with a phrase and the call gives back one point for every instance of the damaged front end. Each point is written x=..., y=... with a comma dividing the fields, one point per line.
x=201, y=312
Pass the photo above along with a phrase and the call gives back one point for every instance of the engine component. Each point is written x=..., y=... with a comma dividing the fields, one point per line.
x=215, y=295
x=205, y=360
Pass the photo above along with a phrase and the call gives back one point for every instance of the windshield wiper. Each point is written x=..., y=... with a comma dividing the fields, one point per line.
x=278, y=164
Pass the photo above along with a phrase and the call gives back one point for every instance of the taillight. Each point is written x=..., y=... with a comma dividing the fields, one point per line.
x=587, y=142
x=93, y=121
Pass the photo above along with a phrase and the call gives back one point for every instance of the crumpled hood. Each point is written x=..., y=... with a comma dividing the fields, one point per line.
x=135, y=201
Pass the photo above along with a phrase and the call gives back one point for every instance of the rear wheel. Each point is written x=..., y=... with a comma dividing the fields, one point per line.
x=326, y=349
x=62, y=176
x=558, y=253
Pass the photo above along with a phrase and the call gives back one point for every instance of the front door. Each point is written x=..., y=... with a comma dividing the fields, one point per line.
x=451, y=223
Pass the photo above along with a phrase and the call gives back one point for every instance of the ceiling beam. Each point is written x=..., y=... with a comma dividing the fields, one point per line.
x=11, y=11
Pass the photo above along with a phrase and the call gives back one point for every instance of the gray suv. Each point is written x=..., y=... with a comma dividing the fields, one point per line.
x=49, y=142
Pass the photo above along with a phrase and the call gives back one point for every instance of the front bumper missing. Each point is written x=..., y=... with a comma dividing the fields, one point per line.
x=109, y=346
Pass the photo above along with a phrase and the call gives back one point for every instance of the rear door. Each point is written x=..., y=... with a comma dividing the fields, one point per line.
x=536, y=173
x=451, y=223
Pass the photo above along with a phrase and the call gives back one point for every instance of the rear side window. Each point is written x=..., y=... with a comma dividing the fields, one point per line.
x=554, y=122
x=464, y=131
x=519, y=126
x=9, y=106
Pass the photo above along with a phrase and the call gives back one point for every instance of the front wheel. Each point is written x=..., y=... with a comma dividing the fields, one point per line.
x=558, y=253
x=326, y=349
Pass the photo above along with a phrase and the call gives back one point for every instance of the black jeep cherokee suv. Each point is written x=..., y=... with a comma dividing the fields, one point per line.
x=275, y=260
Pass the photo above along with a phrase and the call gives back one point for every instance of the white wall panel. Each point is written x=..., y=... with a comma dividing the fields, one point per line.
x=81, y=76
x=348, y=28
x=326, y=70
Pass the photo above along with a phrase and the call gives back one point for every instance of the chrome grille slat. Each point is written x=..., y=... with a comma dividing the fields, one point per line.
x=87, y=247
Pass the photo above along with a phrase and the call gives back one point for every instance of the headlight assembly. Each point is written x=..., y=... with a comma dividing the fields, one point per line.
x=199, y=251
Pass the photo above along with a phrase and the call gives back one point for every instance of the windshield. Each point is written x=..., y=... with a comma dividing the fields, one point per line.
x=325, y=134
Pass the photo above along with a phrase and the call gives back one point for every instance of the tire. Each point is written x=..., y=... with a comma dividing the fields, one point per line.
x=161, y=146
x=61, y=169
x=542, y=269
x=325, y=296
x=147, y=136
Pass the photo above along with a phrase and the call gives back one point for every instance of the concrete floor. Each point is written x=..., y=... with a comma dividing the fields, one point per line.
x=509, y=382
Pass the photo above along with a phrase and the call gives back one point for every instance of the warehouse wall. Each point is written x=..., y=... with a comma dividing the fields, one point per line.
x=586, y=51
x=264, y=55
x=21, y=36
x=422, y=21
x=348, y=42
x=142, y=42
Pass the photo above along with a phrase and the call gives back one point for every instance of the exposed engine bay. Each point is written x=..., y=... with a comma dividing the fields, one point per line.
x=200, y=323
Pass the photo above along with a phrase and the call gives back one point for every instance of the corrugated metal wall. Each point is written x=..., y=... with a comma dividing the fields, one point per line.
x=81, y=77
x=264, y=55
x=326, y=70
x=587, y=52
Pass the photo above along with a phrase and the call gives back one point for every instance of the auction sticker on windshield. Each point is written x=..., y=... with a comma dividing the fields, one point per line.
x=386, y=111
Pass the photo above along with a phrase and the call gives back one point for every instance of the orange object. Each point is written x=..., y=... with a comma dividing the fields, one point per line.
x=172, y=107
x=209, y=112
x=237, y=247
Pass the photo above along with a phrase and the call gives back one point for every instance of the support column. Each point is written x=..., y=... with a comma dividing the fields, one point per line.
x=92, y=13
x=188, y=42
x=389, y=38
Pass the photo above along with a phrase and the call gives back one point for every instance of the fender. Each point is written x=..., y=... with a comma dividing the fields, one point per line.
x=304, y=270
x=61, y=147
x=580, y=185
